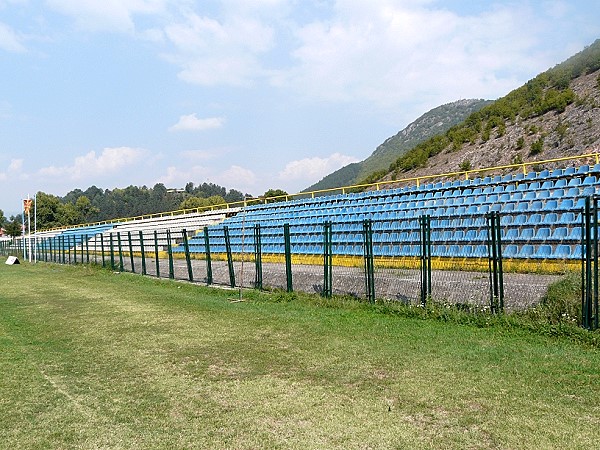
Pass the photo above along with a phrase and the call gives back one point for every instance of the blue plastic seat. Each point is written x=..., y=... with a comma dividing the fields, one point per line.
x=544, y=251
x=565, y=205
x=526, y=251
x=560, y=183
x=526, y=234
x=560, y=233
x=510, y=234
x=562, y=251
x=453, y=251
x=510, y=251
x=567, y=218
x=582, y=170
x=520, y=219
x=575, y=234
x=534, y=219
x=550, y=219
x=542, y=234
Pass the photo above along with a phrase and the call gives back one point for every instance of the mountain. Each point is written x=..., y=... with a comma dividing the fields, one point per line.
x=434, y=122
x=554, y=115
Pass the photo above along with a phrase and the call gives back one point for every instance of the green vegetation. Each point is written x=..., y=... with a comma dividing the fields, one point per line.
x=199, y=202
x=547, y=92
x=92, y=359
x=520, y=143
x=465, y=165
x=96, y=205
x=537, y=147
x=275, y=195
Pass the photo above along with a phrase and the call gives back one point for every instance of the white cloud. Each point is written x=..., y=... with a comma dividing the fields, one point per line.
x=310, y=170
x=177, y=177
x=15, y=165
x=10, y=40
x=14, y=171
x=389, y=53
x=202, y=155
x=212, y=52
x=237, y=177
x=192, y=123
x=107, y=163
x=107, y=15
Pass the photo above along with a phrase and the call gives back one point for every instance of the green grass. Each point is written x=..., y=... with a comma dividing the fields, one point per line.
x=92, y=359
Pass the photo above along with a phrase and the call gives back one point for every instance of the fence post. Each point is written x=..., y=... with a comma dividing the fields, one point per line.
x=143, y=250
x=288, y=256
x=257, y=257
x=188, y=260
x=229, y=257
x=170, y=254
x=131, y=252
x=589, y=266
x=112, y=251
x=209, y=276
x=87, y=249
x=327, y=260
x=368, y=259
x=494, y=243
x=156, y=254
x=594, y=306
x=102, y=249
x=425, y=236
x=121, y=266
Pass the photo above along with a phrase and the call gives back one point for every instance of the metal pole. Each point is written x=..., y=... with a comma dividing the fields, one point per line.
x=188, y=260
x=170, y=254
x=156, y=254
x=209, y=275
x=143, y=252
x=288, y=256
x=229, y=257
x=131, y=252
x=368, y=260
x=257, y=257
x=327, y=260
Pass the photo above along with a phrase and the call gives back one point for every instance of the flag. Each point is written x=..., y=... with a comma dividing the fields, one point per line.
x=27, y=205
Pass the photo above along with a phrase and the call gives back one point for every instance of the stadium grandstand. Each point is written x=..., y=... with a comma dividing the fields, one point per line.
x=539, y=213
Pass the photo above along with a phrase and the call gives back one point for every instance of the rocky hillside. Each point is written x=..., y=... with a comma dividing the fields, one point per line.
x=434, y=122
x=556, y=114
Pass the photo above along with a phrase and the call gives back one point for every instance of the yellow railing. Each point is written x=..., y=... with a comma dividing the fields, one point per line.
x=466, y=174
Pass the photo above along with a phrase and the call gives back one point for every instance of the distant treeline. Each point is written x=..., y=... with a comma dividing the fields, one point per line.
x=96, y=205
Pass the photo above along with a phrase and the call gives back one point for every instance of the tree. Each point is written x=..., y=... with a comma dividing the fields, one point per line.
x=275, y=195
x=3, y=220
x=197, y=202
x=84, y=208
x=14, y=228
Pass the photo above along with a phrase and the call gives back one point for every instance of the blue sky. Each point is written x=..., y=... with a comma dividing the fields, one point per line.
x=250, y=95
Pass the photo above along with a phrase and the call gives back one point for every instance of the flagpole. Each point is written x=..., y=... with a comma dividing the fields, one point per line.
x=29, y=226
x=23, y=232
x=35, y=226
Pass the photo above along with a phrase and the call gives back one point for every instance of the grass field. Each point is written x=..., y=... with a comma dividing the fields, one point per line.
x=93, y=359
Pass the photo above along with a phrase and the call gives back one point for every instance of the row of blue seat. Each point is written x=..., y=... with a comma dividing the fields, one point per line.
x=526, y=251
